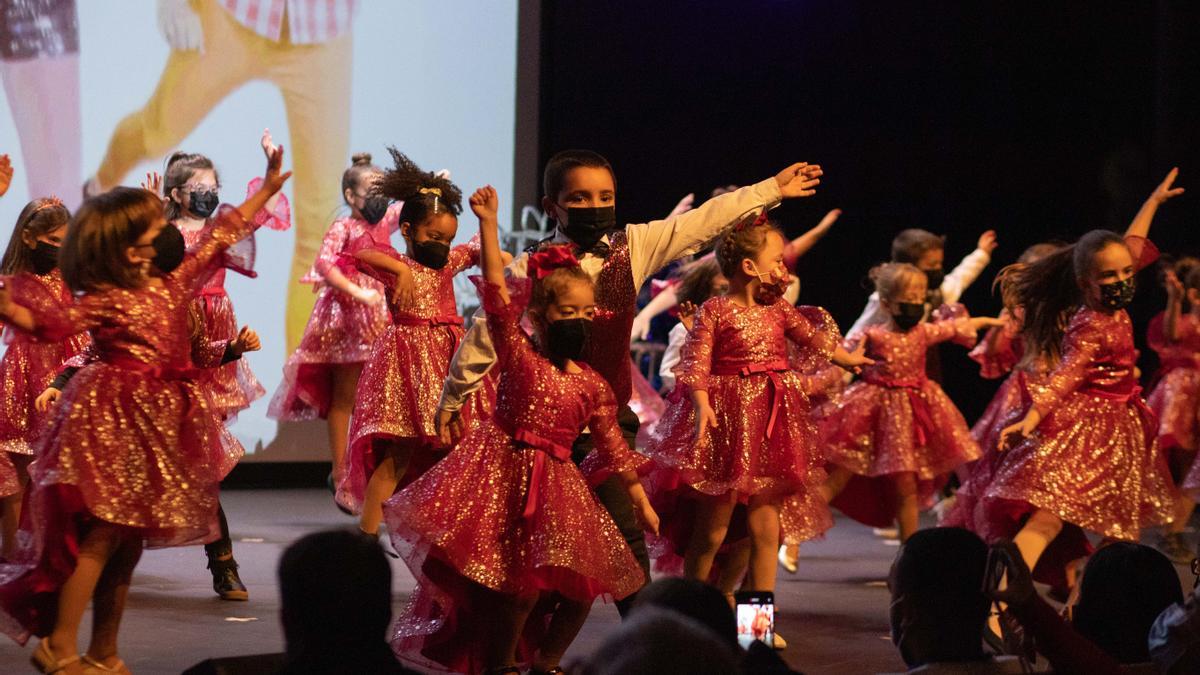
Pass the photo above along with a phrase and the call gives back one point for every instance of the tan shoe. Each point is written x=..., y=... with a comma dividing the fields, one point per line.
x=95, y=667
x=46, y=662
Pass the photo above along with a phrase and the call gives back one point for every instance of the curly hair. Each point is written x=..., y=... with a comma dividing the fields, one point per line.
x=423, y=192
x=38, y=218
x=742, y=241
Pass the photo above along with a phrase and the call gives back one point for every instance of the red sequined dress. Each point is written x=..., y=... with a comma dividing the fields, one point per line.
x=28, y=367
x=401, y=384
x=765, y=441
x=340, y=331
x=1175, y=397
x=507, y=511
x=896, y=420
x=133, y=441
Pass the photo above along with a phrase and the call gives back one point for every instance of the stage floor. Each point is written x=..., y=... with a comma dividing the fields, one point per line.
x=833, y=611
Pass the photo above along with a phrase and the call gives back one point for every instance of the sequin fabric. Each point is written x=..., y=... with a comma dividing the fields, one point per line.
x=616, y=305
x=28, y=367
x=341, y=330
x=133, y=441
x=461, y=526
x=10, y=483
x=1094, y=460
x=1176, y=396
x=401, y=384
x=231, y=387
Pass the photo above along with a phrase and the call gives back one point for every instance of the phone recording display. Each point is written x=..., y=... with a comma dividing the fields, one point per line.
x=755, y=618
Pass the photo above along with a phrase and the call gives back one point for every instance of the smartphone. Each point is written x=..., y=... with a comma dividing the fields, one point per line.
x=755, y=617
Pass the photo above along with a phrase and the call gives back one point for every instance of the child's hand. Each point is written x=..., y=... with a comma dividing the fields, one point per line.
x=987, y=242
x=273, y=180
x=1012, y=436
x=978, y=323
x=640, y=329
x=268, y=145
x=1174, y=286
x=46, y=399
x=404, y=291
x=6, y=174
x=687, y=314
x=1164, y=191
x=828, y=221
x=683, y=206
x=153, y=183
x=367, y=296
x=798, y=180
x=852, y=361
x=646, y=516
x=485, y=203
x=705, y=419
x=247, y=341
x=449, y=426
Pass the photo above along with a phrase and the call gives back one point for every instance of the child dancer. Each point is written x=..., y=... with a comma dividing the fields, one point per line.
x=1093, y=463
x=320, y=379
x=698, y=281
x=1175, y=400
x=894, y=432
x=523, y=527
x=747, y=438
x=29, y=365
x=392, y=431
x=580, y=194
x=134, y=454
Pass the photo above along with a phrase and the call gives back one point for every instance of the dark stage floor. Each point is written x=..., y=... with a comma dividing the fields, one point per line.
x=833, y=611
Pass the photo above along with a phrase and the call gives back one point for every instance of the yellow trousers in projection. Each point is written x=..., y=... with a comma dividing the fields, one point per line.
x=315, y=83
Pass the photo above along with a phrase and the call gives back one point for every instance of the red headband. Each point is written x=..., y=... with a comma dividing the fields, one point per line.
x=761, y=219
x=551, y=258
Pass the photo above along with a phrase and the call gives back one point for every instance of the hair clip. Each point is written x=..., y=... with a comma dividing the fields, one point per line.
x=48, y=202
x=545, y=261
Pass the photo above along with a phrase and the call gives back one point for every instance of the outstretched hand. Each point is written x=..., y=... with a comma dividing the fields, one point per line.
x=1174, y=286
x=485, y=203
x=799, y=180
x=153, y=183
x=247, y=341
x=6, y=173
x=273, y=180
x=987, y=242
x=1164, y=191
x=268, y=145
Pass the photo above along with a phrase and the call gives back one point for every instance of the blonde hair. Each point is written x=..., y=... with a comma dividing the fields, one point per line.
x=890, y=279
x=742, y=241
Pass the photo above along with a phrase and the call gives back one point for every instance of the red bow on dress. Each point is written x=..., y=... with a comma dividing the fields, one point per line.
x=551, y=258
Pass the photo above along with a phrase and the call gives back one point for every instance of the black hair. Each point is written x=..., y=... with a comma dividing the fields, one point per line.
x=911, y=244
x=423, y=192
x=562, y=163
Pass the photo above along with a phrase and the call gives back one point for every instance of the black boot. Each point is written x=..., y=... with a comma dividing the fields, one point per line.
x=226, y=581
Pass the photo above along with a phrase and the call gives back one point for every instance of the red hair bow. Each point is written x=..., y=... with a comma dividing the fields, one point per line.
x=760, y=219
x=545, y=261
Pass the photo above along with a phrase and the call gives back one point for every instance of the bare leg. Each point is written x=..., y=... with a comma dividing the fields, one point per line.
x=907, y=511
x=341, y=405
x=109, y=604
x=712, y=523
x=10, y=507
x=1180, y=464
x=383, y=482
x=1032, y=541
x=835, y=483
x=95, y=550
x=513, y=612
x=568, y=618
x=762, y=517
x=733, y=567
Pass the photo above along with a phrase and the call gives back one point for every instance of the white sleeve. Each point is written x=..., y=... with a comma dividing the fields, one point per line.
x=654, y=245
x=872, y=315
x=964, y=275
x=670, y=357
x=475, y=355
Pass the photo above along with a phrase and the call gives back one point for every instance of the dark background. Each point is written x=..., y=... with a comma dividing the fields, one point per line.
x=1040, y=122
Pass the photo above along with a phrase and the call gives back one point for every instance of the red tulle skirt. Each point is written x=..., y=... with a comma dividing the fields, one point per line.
x=1176, y=401
x=28, y=367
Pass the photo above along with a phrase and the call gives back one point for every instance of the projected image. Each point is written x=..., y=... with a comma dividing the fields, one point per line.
x=99, y=94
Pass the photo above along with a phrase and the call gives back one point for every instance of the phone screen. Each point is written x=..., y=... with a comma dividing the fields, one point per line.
x=756, y=618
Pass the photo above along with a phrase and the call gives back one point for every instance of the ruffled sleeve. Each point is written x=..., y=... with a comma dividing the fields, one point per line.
x=504, y=320
x=695, y=358
x=209, y=252
x=812, y=328
x=955, y=316
x=371, y=241
x=55, y=318
x=208, y=353
x=464, y=256
x=1081, y=344
x=612, y=453
x=999, y=351
x=332, y=243
x=1143, y=250
x=278, y=218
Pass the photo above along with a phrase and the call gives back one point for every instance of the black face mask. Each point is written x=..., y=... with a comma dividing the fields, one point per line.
x=202, y=204
x=169, y=248
x=44, y=258
x=587, y=225
x=1118, y=294
x=567, y=339
x=910, y=315
x=430, y=253
x=374, y=209
x=935, y=277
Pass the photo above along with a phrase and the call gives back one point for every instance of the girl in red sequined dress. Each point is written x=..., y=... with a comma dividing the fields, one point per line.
x=894, y=432
x=1085, y=455
x=392, y=433
x=134, y=453
x=508, y=544
x=29, y=364
x=746, y=438
x=320, y=379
